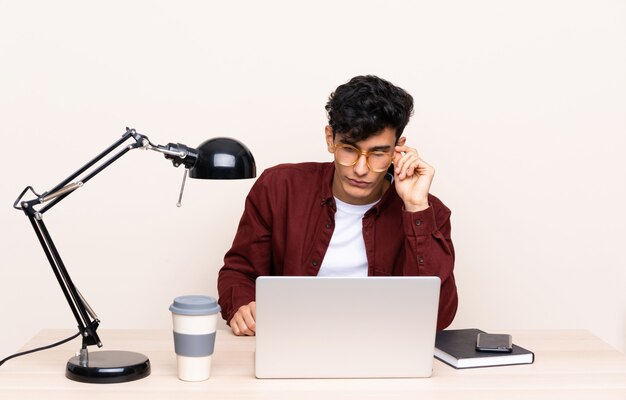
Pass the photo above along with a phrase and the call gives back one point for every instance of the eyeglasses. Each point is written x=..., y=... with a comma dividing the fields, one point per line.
x=347, y=155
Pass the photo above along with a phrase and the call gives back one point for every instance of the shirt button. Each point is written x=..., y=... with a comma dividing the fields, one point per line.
x=420, y=260
x=418, y=222
x=314, y=263
x=328, y=226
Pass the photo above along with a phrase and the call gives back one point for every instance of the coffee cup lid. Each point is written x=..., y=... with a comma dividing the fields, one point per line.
x=194, y=305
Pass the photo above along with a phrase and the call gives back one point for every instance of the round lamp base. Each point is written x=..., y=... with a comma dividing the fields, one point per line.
x=109, y=367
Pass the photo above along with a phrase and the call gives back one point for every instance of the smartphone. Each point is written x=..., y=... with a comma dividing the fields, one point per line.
x=494, y=342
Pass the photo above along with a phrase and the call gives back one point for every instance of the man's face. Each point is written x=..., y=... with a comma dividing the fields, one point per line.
x=358, y=184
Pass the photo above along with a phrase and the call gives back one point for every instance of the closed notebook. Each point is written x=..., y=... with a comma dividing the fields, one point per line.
x=457, y=347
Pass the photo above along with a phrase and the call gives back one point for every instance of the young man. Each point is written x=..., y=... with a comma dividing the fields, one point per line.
x=368, y=213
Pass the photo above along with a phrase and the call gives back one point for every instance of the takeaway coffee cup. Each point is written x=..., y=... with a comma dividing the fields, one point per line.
x=195, y=319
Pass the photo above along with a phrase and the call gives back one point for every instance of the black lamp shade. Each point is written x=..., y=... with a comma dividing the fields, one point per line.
x=223, y=158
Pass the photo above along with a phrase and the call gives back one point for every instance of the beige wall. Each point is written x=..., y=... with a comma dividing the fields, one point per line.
x=521, y=107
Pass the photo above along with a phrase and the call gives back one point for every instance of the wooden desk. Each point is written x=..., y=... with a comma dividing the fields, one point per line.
x=569, y=365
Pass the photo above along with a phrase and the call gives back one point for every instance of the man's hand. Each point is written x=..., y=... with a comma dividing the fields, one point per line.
x=244, y=320
x=413, y=177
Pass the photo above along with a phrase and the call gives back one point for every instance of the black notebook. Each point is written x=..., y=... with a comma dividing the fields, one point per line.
x=457, y=347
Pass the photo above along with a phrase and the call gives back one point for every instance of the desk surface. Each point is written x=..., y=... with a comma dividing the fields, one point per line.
x=569, y=365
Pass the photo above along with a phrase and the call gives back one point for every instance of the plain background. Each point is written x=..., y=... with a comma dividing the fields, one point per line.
x=520, y=106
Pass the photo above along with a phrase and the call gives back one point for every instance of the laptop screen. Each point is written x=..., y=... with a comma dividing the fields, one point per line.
x=343, y=327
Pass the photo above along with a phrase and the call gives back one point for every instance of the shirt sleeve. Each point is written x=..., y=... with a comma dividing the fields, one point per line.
x=250, y=254
x=429, y=251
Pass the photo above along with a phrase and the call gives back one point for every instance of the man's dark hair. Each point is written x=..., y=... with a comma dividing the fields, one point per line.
x=366, y=105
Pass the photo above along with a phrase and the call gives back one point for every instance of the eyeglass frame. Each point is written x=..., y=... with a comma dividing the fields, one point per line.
x=365, y=153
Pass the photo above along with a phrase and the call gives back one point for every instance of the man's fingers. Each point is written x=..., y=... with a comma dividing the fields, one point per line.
x=402, y=154
x=245, y=329
x=248, y=319
x=411, y=166
x=239, y=326
x=244, y=321
x=235, y=327
x=407, y=164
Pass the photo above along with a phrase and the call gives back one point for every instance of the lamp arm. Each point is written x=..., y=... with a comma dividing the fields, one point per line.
x=177, y=152
x=87, y=324
x=86, y=318
x=65, y=188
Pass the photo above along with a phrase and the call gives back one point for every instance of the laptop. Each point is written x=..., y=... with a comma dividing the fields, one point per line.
x=343, y=327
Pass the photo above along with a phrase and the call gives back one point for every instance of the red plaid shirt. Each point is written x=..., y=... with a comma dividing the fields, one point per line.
x=288, y=222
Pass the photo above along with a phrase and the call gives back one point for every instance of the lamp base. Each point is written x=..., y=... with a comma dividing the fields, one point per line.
x=109, y=367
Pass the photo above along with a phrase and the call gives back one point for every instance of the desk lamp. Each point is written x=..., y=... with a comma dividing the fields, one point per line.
x=218, y=158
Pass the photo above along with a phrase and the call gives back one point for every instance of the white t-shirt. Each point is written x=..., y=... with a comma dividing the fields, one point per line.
x=346, y=252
